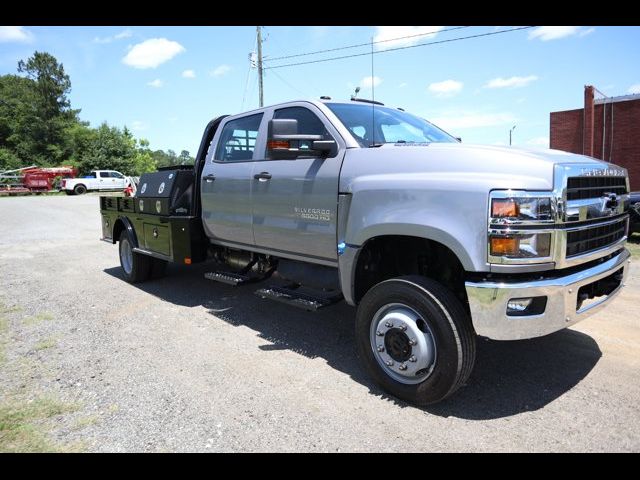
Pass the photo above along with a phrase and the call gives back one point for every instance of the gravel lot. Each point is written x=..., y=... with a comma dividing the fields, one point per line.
x=185, y=364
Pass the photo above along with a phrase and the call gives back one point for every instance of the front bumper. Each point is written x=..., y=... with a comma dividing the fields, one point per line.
x=488, y=301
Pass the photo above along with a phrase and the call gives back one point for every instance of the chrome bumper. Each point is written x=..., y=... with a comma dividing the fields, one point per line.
x=488, y=302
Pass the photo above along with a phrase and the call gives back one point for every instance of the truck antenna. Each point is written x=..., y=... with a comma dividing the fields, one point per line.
x=373, y=104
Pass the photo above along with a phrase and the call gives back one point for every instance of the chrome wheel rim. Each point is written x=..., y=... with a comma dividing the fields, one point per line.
x=126, y=256
x=402, y=343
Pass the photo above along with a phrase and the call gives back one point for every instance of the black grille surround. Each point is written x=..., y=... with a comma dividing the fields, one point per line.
x=593, y=238
x=580, y=188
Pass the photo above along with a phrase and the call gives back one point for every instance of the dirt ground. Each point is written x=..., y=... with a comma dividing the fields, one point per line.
x=89, y=362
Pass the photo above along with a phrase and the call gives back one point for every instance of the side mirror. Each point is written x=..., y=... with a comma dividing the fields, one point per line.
x=285, y=143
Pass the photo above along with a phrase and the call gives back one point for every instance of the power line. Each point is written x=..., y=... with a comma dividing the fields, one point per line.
x=398, y=48
x=246, y=84
x=362, y=44
x=289, y=85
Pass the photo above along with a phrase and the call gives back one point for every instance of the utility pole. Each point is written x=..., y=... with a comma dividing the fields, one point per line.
x=260, y=81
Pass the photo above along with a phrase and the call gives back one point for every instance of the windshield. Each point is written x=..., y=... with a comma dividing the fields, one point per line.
x=374, y=126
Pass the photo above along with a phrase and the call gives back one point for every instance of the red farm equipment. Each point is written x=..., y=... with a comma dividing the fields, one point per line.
x=33, y=179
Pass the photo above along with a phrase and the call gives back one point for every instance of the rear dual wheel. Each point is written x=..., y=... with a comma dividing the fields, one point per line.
x=415, y=339
x=138, y=267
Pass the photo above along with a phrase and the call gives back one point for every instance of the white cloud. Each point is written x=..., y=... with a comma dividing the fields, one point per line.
x=368, y=82
x=189, y=74
x=118, y=36
x=139, y=125
x=456, y=120
x=403, y=85
x=446, y=88
x=220, y=70
x=15, y=34
x=157, y=83
x=553, y=33
x=415, y=34
x=634, y=88
x=124, y=34
x=586, y=32
x=511, y=82
x=152, y=52
x=539, y=142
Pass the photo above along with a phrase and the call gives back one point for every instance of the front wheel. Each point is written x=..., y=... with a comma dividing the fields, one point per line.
x=135, y=266
x=415, y=339
x=80, y=189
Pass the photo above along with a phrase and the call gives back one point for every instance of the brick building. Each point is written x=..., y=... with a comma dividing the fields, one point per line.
x=607, y=128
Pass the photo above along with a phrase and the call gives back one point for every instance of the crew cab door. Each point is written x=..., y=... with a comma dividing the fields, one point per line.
x=295, y=201
x=104, y=180
x=227, y=180
x=118, y=180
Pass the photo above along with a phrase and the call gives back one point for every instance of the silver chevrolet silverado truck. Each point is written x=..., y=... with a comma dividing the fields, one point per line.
x=434, y=241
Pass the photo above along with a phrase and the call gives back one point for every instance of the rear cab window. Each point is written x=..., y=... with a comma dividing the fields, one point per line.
x=238, y=139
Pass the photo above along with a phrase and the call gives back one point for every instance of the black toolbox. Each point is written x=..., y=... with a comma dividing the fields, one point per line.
x=166, y=192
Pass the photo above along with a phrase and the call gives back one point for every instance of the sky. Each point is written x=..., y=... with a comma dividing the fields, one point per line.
x=166, y=83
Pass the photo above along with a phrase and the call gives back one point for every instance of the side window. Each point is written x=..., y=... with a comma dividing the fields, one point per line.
x=104, y=175
x=91, y=175
x=117, y=175
x=308, y=123
x=238, y=139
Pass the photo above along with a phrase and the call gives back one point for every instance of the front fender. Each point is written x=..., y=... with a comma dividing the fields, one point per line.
x=457, y=220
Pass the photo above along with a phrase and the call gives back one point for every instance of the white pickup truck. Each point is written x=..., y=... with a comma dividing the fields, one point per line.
x=102, y=180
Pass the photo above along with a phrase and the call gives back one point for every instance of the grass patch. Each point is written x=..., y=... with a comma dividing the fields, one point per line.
x=83, y=422
x=22, y=426
x=5, y=309
x=44, y=344
x=40, y=317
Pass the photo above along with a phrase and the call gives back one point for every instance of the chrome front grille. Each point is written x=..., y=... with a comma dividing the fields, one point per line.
x=580, y=188
x=594, y=237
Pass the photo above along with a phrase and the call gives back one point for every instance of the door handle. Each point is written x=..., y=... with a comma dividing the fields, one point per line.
x=262, y=176
x=209, y=178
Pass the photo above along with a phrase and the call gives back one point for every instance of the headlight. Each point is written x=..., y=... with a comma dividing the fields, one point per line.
x=519, y=224
x=506, y=210
x=521, y=245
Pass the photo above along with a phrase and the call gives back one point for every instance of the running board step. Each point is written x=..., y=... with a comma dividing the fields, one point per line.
x=231, y=278
x=293, y=296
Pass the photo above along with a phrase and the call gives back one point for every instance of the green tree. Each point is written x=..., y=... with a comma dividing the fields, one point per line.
x=17, y=116
x=43, y=140
x=185, y=158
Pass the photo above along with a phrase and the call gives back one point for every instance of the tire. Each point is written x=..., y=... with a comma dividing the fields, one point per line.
x=158, y=268
x=135, y=266
x=79, y=189
x=443, y=349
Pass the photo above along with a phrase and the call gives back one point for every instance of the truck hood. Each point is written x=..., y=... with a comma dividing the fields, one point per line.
x=475, y=166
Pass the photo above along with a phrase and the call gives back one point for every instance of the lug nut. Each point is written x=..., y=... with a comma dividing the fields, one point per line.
x=403, y=328
x=388, y=324
x=568, y=319
x=402, y=366
x=379, y=333
x=412, y=342
x=389, y=363
x=412, y=358
x=380, y=348
x=571, y=290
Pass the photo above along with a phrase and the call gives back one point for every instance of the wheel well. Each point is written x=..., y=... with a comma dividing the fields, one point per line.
x=79, y=185
x=117, y=230
x=391, y=256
